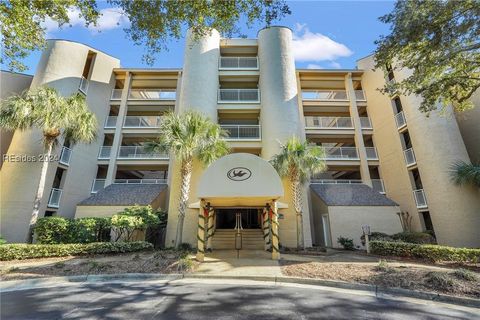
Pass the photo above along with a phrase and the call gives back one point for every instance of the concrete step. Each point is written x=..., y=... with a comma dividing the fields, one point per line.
x=252, y=239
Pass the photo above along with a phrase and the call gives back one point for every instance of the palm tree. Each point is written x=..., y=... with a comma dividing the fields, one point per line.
x=464, y=173
x=59, y=118
x=189, y=136
x=298, y=161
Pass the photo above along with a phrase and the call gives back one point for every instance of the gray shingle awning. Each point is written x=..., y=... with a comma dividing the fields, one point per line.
x=125, y=195
x=350, y=195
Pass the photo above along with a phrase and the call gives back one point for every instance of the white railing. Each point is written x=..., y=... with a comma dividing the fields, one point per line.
x=336, y=181
x=238, y=95
x=400, y=120
x=54, y=199
x=360, y=95
x=328, y=122
x=104, y=152
x=377, y=185
x=409, y=157
x=238, y=63
x=110, y=122
x=83, y=86
x=138, y=152
x=365, y=123
x=152, y=94
x=325, y=95
x=97, y=184
x=142, y=121
x=242, y=132
x=420, y=199
x=343, y=153
x=371, y=153
x=116, y=94
x=140, y=181
x=65, y=156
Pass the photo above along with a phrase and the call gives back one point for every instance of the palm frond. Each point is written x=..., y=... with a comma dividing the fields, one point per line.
x=464, y=173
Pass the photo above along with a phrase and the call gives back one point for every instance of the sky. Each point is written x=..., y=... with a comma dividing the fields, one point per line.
x=326, y=34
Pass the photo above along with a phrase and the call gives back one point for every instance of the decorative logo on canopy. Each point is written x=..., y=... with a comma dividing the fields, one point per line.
x=239, y=174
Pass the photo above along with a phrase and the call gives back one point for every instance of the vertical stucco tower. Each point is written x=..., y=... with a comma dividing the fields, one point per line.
x=68, y=67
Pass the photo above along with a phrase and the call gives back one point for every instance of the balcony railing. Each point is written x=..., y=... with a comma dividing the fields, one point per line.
x=97, y=184
x=371, y=153
x=400, y=120
x=110, y=122
x=238, y=95
x=65, y=156
x=140, y=181
x=328, y=122
x=104, y=152
x=341, y=153
x=83, y=86
x=142, y=121
x=377, y=185
x=420, y=199
x=409, y=157
x=336, y=181
x=365, y=123
x=325, y=95
x=242, y=132
x=152, y=94
x=138, y=152
x=360, y=95
x=116, y=94
x=238, y=63
x=54, y=199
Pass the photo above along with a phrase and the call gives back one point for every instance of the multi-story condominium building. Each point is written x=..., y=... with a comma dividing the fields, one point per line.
x=383, y=155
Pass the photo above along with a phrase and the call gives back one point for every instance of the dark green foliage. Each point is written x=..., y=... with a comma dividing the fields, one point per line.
x=55, y=230
x=346, y=243
x=413, y=237
x=380, y=236
x=30, y=251
x=426, y=251
x=52, y=230
x=464, y=173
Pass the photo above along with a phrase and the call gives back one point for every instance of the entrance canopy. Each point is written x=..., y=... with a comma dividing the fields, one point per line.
x=240, y=179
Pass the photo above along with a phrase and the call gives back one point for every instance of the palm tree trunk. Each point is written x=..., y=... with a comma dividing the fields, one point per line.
x=40, y=191
x=297, y=204
x=186, y=173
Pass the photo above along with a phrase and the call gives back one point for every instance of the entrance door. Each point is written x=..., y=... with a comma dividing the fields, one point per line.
x=251, y=218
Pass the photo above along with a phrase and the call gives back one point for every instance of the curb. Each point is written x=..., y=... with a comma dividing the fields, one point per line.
x=16, y=285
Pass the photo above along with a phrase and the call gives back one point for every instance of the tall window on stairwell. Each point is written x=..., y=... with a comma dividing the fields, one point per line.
x=87, y=71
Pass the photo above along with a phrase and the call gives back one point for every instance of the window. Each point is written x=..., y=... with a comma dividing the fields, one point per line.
x=427, y=221
x=49, y=213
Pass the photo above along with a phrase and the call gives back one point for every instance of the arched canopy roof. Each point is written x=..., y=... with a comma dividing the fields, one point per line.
x=240, y=179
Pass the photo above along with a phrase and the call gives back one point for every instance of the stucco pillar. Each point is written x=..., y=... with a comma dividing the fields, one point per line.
x=201, y=231
x=275, y=240
x=117, y=138
x=359, y=143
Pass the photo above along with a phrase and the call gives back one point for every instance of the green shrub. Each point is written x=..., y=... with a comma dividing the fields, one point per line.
x=414, y=237
x=2, y=241
x=464, y=274
x=30, y=251
x=376, y=236
x=52, y=230
x=346, y=243
x=439, y=280
x=132, y=219
x=427, y=251
x=56, y=230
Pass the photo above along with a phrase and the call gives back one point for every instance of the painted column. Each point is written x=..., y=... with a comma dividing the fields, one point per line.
x=201, y=231
x=266, y=228
x=280, y=113
x=275, y=240
x=117, y=138
x=359, y=143
x=210, y=229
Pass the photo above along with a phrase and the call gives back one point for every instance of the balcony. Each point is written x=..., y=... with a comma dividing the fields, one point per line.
x=238, y=63
x=341, y=153
x=138, y=152
x=104, y=153
x=243, y=132
x=377, y=185
x=371, y=153
x=140, y=181
x=83, y=86
x=328, y=122
x=145, y=94
x=116, y=94
x=238, y=96
x=400, y=120
x=65, y=156
x=110, y=122
x=54, y=198
x=335, y=181
x=142, y=121
x=410, y=157
x=420, y=199
x=325, y=95
x=97, y=184
x=360, y=95
x=365, y=123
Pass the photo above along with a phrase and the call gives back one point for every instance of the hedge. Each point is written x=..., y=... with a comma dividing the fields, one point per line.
x=31, y=251
x=425, y=251
x=56, y=230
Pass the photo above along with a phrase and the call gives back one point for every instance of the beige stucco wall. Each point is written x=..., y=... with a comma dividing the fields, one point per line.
x=348, y=221
x=21, y=178
x=469, y=125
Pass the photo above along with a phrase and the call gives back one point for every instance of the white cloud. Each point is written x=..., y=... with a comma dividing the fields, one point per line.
x=309, y=46
x=335, y=65
x=110, y=18
x=314, y=66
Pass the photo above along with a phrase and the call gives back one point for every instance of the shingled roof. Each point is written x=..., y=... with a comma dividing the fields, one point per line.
x=125, y=195
x=350, y=195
